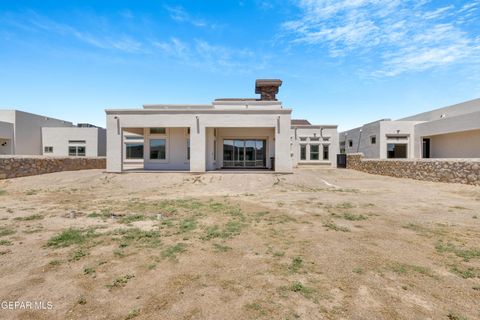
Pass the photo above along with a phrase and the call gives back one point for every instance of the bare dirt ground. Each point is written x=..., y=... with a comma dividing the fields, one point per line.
x=319, y=244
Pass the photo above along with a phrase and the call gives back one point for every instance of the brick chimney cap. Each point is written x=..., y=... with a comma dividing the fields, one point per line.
x=259, y=83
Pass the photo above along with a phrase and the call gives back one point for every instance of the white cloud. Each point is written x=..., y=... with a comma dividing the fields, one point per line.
x=179, y=14
x=404, y=35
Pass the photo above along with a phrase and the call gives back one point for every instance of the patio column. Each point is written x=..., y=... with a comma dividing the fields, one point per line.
x=283, y=159
x=197, y=146
x=114, y=144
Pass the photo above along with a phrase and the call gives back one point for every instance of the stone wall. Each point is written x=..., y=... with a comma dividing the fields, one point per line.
x=466, y=171
x=22, y=166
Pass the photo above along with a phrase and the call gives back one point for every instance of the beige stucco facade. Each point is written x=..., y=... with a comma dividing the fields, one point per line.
x=61, y=141
x=450, y=132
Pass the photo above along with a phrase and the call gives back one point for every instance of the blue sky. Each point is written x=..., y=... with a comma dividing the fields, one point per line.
x=343, y=62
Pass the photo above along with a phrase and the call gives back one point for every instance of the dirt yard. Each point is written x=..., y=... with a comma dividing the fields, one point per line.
x=318, y=244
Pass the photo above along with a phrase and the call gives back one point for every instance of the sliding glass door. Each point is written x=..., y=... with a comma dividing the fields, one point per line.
x=243, y=153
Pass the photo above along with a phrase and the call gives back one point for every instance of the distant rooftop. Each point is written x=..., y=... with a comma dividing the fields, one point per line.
x=300, y=122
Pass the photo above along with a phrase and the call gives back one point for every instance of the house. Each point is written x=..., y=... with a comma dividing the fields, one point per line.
x=449, y=132
x=226, y=134
x=23, y=133
x=83, y=140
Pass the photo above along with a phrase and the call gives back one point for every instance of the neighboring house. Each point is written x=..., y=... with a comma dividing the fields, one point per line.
x=229, y=133
x=314, y=144
x=84, y=140
x=23, y=133
x=450, y=132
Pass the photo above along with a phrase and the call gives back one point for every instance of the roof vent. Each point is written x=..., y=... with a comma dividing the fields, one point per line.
x=267, y=88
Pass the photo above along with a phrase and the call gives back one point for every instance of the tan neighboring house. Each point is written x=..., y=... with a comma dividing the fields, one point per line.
x=23, y=133
x=227, y=134
x=449, y=132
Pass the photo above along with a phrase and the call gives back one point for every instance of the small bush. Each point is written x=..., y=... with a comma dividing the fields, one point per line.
x=5, y=243
x=464, y=273
x=330, y=225
x=78, y=254
x=187, y=225
x=354, y=217
x=221, y=248
x=132, y=218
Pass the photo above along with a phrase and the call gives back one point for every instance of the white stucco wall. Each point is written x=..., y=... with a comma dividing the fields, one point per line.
x=199, y=121
x=465, y=144
x=59, y=138
x=361, y=139
x=6, y=138
x=327, y=135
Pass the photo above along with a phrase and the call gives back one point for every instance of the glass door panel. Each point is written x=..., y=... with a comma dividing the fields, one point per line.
x=240, y=153
x=250, y=153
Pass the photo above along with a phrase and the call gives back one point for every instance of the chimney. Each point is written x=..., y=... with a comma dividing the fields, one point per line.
x=267, y=88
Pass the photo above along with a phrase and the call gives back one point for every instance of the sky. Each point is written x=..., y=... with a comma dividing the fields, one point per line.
x=344, y=62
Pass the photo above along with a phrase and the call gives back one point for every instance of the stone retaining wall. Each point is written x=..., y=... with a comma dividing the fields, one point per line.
x=22, y=166
x=466, y=171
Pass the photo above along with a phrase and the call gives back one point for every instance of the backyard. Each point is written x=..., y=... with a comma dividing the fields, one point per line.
x=321, y=243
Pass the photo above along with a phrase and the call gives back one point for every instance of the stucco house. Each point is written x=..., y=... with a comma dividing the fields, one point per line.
x=449, y=132
x=227, y=134
x=23, y=133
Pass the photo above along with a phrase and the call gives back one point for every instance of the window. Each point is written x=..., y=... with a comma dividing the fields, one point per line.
x=215, y=148
x=133, y=137
x=350, y=143
x=314, y=152
x=76, y=151
x=188, y=149
x=134, y=151
x=373, y=139
x=303, y=138
x=158, y=131
x=303, y=152
x=48, y=149
x=396, y=151
x=325, y=152
x=314, y=139
x=326, y=138
x=76, y=141
x=158, y=149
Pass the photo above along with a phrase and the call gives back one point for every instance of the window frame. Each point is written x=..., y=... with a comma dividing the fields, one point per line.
x=48, y=149
x=303, y=147
x=150, y=149
x=316, y=152
x=77, y=153
x=373, y=139
x=326, y=148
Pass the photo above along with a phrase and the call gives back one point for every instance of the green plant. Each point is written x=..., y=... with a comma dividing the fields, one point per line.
x=132, y=218
x=5, y=231
x=330, y=225
x=464, y=273
x=300, y=288
x=172, y=251
x=139, y=237
x=187, y=225
x=221, y=248
x=466, y=254
x=403, y=268
x=296, y=264
x=71, y=236
x=31, y=192
x=5, y=243
x=3, y=192
x=88, y=270
x=133, y=314
x=82, y=300
x=29, y=218
x=358, y=270
x=354, y=217
x=454, y=316
x=78, y=254
x=55, y=262
x=120, y=281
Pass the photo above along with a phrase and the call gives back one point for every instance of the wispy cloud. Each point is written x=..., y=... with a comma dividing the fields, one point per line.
x=179, y=14
x=403, y=36
x=100, y=34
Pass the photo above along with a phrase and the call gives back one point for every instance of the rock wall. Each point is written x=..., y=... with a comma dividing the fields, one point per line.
x=22, y=166
x=466, y=171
